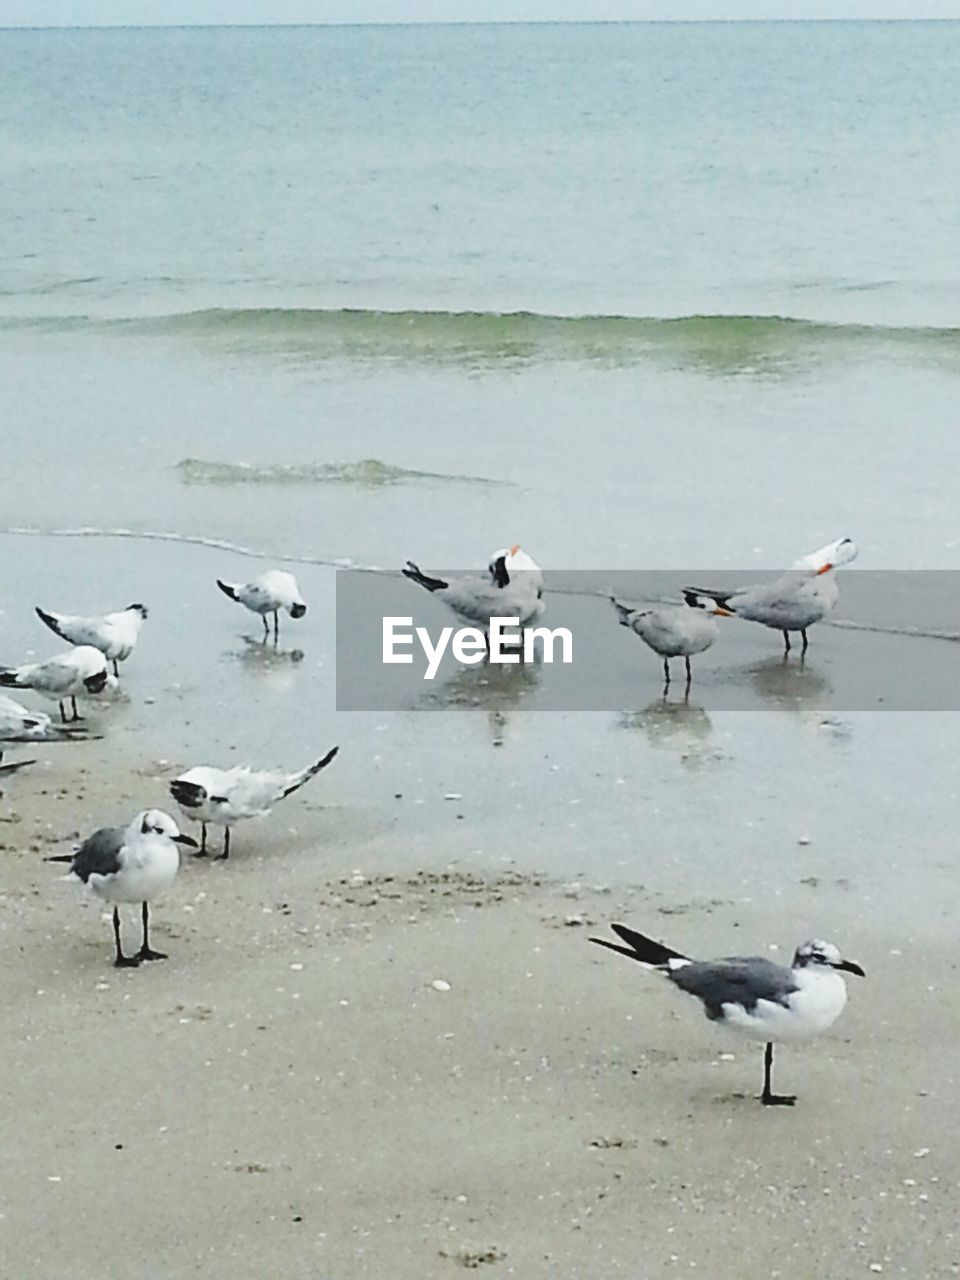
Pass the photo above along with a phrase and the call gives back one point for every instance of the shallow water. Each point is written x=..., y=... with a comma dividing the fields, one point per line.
x=640, y=298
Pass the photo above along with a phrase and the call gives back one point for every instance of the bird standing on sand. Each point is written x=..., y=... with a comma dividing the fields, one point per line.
x=82, y=670
x=114, y=634
x=514, y=589
x=223, y=797
x=751, y=994
x=793, y=602
x=135, y=864
x=673, y=633
x=271, y=592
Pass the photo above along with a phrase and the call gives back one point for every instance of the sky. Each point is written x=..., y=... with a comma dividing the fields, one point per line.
x=33, y=13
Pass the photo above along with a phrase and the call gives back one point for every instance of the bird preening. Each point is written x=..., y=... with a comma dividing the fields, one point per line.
x=752, y=995
x=266, y=596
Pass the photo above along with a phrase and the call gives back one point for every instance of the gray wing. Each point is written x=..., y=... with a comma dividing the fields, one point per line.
x=99, y=854
x=734, y=980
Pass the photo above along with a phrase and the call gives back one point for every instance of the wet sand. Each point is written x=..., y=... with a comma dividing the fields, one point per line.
x=290, y=1093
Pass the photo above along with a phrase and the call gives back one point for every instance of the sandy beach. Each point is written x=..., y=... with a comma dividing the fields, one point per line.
x=348, y=1071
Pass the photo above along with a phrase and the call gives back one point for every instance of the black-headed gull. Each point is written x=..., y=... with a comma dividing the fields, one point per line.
x=793, y=602
x=134, y=864
x=223, y=797
x=751, y=994
x=114, y=634
x=512, y=589
x=81, y=670
x=673, y=632
x=272, y=591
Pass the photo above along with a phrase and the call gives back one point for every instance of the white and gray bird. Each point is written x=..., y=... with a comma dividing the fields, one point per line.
x=133, y=864
x=673, y=632
x=81, y=670
x=513, y=588
x=114, y=634
x=224, y=797
x=796, y=600
x=272, y=591
x=752, y=995
x=19, y=724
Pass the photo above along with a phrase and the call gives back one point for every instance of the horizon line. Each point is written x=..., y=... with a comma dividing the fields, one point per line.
x=474, y=22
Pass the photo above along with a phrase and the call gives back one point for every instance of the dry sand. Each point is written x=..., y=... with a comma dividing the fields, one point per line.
x=291, y=1095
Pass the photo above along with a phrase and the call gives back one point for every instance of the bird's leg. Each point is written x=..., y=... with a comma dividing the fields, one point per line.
x=76, y=714
x=116, y=669
x=63, y=714
x=276, y=626
x=266, y=626
x=666, y=674
x=226, y=846
x=202, y=851
x=805, y=642
x=145, y=953
x=120, y=960
x=786, y=642
x=768, y=1097
x=689, y=672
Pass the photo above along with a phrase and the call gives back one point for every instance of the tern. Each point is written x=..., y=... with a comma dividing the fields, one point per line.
x=512, y=589
x=673, y=633
x=114, y=634
x=794, y=601
x=271, y=592
x=752, y=995
x=135, y=864
x=223, y=797
x=81, y=670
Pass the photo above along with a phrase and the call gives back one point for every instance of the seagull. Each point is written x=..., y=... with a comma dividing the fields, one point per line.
x=130, y=864
x=793, y=602
x=17, y=724
x=514, y=589
x=673, y=633
x=751, y=994
x=114, y=634
x=80, y=670
x=225, y=796
x=271, y=592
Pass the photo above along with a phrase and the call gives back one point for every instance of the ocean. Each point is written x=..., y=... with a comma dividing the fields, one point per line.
x=637, y=296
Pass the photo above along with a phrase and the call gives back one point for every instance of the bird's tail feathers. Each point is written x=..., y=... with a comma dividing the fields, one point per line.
x=624, y=611
x=60, y=857
x=228, y=589
x=648, y=952
x=310, y=772
x=431, y=584
x=52, y=621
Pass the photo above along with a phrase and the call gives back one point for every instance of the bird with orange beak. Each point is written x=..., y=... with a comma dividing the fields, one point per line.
x=512, y=589
x=794, y=601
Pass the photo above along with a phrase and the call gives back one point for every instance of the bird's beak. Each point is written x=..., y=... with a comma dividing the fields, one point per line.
x=825, y=568
x=722, y=613
x=849, y=967
x=181, y=839
x=515, y=548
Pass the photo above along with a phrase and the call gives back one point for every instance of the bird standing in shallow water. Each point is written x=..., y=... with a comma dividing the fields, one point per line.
x=130, y=864
x=271, y=592
x=751, y=994
x=673, y=632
